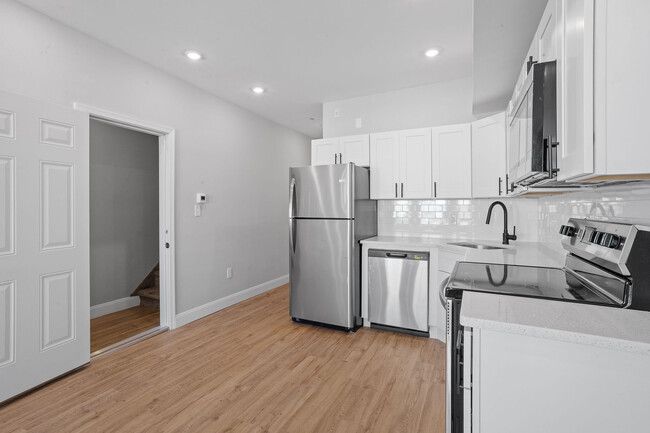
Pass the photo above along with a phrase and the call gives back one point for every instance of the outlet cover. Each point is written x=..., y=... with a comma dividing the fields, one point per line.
x=357, y=122
x=228, y=273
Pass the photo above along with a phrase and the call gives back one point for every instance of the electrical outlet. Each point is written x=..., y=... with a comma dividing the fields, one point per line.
x=197, y=210
x=228, y=273
x=357, y=122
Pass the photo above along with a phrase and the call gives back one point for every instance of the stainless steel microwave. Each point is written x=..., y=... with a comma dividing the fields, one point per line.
x=532, y=128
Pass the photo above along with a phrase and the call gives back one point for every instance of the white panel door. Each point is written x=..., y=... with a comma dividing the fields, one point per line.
x=452, y=161
x=489, y=156
x=576, y=88
x=355, y=148
x=325, y=151
x=384, y=165
x=415, y=163
x=44, y=258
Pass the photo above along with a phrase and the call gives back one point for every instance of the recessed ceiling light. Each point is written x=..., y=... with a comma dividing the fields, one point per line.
x=193, y=55
x=257, y=90
x=432, y=52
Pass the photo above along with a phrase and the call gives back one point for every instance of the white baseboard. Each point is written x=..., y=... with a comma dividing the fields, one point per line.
x=212, y=307
x=114, y=306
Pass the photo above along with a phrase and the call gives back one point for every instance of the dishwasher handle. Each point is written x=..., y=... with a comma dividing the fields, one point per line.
x=403, y=255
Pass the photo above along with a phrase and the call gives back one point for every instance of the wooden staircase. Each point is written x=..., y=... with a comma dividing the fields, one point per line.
x=149, y=290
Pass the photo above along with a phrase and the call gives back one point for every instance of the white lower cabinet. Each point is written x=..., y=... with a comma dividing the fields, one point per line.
x=452, y=161
x=442, y=264
x=537, y=385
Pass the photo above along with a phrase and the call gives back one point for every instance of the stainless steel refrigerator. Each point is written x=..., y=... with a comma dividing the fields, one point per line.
x=330, y=211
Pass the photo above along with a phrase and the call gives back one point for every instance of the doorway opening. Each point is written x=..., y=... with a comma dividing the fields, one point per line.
x=124, y=250
x=132, y=289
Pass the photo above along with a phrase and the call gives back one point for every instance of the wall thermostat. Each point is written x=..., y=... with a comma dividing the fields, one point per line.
x=201, y=198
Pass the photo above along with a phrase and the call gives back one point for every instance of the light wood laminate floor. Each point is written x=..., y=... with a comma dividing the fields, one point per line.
x=248, y=368
x=115, y=327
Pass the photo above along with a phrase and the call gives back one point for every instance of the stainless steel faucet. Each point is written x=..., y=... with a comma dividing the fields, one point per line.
x=506, y=236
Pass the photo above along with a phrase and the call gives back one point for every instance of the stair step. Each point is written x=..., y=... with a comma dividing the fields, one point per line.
x=150, y=292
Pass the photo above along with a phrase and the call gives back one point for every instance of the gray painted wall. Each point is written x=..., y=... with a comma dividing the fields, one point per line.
x=443, y=103
x=123, y=210
x=241, y=160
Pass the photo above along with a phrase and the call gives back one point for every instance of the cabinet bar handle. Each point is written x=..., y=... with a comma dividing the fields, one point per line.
x=402, y=189
x=335, y=156
x=395, y=189
x=340, y=158
x=435, y=189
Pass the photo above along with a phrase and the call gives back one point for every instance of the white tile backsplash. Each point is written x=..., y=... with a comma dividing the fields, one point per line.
x=536, y=219
x=628, y=203
x=456, y=218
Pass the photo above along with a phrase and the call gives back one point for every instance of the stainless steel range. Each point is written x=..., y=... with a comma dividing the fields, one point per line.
x=607, y=264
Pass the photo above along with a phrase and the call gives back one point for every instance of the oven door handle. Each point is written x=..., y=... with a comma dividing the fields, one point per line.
x=441, y=292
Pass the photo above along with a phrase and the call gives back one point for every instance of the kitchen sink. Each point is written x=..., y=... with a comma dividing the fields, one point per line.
x=475, y=246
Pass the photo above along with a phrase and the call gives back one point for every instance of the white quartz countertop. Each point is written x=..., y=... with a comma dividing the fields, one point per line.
x=613, y=328
x=517, y=253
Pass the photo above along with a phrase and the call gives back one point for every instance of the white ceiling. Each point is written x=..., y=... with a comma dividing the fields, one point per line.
x=304, y=52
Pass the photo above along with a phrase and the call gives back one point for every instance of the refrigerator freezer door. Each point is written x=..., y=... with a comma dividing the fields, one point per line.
x=322, y=191
x=322, y=275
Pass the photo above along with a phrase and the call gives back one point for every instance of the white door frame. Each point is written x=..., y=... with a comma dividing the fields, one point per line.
x=166, y=179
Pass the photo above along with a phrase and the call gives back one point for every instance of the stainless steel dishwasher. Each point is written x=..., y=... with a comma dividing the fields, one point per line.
x=398, y=291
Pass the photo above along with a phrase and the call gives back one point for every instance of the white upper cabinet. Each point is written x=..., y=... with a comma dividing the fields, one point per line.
x=400, y=164
x=415, y=163
x=489, y=157
x=546, y=36
x=355, y=148
x=384, y=165
x=576, y=88
x=325, y=151
x=452, y=161
x=339, y=150
x=602, y=99
x=622, y=92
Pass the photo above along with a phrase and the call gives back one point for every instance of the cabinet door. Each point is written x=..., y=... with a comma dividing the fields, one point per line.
x=384, y=165
x=325, y=151
x=512, y=149
x=415, y=163
x=452, y=161
x=546, y=36
x=489, y=156
x=575, y=88
x=355, y=148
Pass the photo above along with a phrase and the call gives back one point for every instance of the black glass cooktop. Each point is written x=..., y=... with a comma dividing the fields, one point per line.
x=538, y=282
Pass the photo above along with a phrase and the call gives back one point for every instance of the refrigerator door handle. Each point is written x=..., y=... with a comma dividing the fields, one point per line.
x=292, y=225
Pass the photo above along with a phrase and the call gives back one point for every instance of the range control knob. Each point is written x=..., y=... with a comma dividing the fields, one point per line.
x=610, y=241
x=567, y=230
